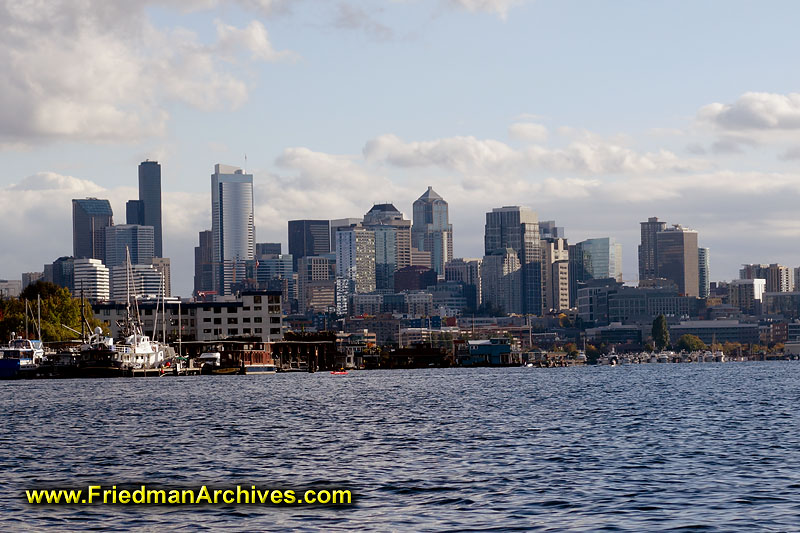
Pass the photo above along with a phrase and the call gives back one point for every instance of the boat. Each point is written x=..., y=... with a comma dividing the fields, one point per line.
x=20, y=357
x=212, y=363
x=98, y=358
x=339, y=372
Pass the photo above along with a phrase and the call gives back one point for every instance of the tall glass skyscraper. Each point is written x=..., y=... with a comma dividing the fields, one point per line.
x=432, y=231
x=308, y=238
x=150, y=200
x=129, y=238
x=232, y=225
x=90, y=218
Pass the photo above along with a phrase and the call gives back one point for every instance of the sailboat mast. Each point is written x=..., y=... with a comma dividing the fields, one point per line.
x=39, y=316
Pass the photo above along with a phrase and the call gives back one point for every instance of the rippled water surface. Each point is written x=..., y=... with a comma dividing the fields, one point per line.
x=711, y=447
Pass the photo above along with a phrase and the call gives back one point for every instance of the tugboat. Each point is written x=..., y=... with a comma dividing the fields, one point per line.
x=99, y=359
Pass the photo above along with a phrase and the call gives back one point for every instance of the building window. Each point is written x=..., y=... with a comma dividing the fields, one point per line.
x=257, y=299
x=257, y=308
x=275, y=331
x=217, y=310
x=257, y=319
x=246, y=320
x=217, y=321
x=246, y=331
x=274, y=320
x=207, y=319
x=233, y=320
x=246, y=308
x=206, y=331
x=233, y=331
x=273, y=299
x=258, y=330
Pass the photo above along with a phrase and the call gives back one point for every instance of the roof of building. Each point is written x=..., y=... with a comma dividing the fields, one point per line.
x=383, y=207
x=430, y=194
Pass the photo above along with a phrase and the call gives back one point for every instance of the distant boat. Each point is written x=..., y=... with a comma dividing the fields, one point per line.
x=339, y=372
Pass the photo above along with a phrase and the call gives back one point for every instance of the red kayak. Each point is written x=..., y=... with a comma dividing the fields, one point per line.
x=339, y=373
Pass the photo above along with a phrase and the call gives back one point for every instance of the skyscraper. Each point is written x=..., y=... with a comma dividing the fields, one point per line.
x=703, y=272
x=204, y=263
x=392, y=243
x=355, y=264
x=120, y=240
x=232, y=226
x=150, y=199
x=778, y=277
x=676, y=258
x=501, y=281
x=597, y=259
x=308, y=237
x=91, y=279
x=90, y=217
x=648, y=249
x=517, y=228
x=134, y=212
x=432, y=231
x=555, y=274
x=468, y=272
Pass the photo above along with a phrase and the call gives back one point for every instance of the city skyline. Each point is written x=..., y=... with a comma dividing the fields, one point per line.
x=637, y=124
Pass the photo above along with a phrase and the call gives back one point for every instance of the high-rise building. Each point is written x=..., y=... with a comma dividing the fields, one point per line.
x=337, y=223
x=597, y=259
x=778, y=277
x=91, y=279
x=134, y=212
x=143, y=281
x=392, y=243
x=648, y=249
x=10, y=288
x=90, y=218
x=355, y=264
x=676, y=258
x=204, y=263
x=162, y=265
x=139, y=241
x=703, y=273
x=150, y=199
x=308, y=237
x=468, y=272
x=316, y=284
x=517, y=228
x=501, y=280
x=268, y=248
x=62, y=273
x=232, y=226
x=432, y=231
x=549, y=230
x=747, y=294
x=556, y=274
x=29, y=278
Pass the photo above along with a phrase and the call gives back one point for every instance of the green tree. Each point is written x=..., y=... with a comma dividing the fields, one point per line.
x=660, y=332
x=691, y=343
x=592, y=354
x=572, y=349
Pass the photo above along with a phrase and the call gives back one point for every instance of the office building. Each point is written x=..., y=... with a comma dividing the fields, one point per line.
x=143, y=281
x=90, y=218
x=431, y=230
x=232, y=226
x=308, y=237
x=468, y=272
x=515, y=228
x=778, y=278
x=138, y=241
x=676, y=258
x=10, y=288
x=204, y=263
x=338, y=223
x=264, y=249
x=162, y=265
x=703, y=272
x=62, y=273
x=316, y=284
x=91, y=279
x=134, y=212
x=150, y=199
x=29, y=278
x=747, y=295
x=648, y=249
x=387, y=215
x=555, y=269
x=355, y=264
x=501, y=281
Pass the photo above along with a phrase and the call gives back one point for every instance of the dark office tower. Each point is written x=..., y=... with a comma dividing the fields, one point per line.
x=134, y=212
x=677, y=259
x=204, y=263
x=150, y=197
x=268, y=248
x=517, y=228
x=90, y=217
x=648, y=250
x=129, y=240
x=308, y=237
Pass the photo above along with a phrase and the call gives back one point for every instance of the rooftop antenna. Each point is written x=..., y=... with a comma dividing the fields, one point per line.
x=245, y=163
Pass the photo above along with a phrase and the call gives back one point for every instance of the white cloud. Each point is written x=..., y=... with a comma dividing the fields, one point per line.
x=101, y=71
x=496, y=7
x=754, y=111
x=528, y=131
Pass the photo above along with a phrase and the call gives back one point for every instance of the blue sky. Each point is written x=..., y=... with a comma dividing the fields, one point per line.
x=596, y=114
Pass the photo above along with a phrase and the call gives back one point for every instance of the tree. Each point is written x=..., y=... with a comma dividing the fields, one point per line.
x=592, y=354
x=691, y=343
x=660, y=332
x=572, y=349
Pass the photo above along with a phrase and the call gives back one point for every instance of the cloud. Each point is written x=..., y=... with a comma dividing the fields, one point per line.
x=495, y=7
x=353, y=17
x=754, y=111
x=528, y=131
x=101, y=71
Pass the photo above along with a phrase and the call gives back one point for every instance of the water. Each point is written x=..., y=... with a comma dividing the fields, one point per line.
x=712, y=447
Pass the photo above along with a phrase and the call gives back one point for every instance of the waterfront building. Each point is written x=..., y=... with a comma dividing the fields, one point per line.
x=90, y=218
x=232, y=226
x=648, y=249
x=747, y=294
x=204, y=263
x=129, y=238
x=515, y=228
x=308, y=237
x=431, y=230
x=676, y=258
x=150, y=199
x=703, y=273
x=778, y=277
x=91, y=279
x=468, y=272
x=719, y=331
